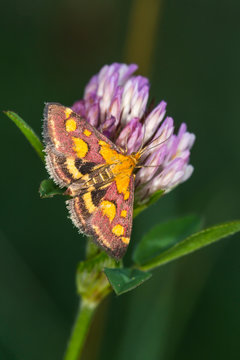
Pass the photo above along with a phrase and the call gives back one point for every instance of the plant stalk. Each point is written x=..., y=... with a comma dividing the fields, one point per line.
x=80, y=330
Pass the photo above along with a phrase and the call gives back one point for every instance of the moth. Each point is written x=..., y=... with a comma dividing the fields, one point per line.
x=98, y=175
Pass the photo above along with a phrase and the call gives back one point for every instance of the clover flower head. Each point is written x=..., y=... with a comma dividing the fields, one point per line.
x=115, y=102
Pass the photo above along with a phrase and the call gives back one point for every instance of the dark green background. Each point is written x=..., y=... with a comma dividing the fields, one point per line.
x=189, y=309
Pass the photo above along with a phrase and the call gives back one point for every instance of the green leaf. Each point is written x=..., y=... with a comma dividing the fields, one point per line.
x=123, y=280
x=28, y=132
x=49, y=189
x=139, y=207
x=193, y=243
x=165, y=235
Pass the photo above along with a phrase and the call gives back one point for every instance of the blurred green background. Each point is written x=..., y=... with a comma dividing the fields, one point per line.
x=191, y=52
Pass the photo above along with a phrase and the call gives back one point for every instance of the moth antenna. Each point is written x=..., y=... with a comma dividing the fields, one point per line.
x=146, y=166
x=143, y=139
x=126, y=142
x=152, y=147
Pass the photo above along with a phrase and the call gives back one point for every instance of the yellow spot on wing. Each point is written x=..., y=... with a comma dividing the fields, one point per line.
x=108, y=209
x=70, y=162
x=68, y=112
x=87, y=198
x=124, y=213
x=87, y=132
x=80, y=147
x=118, y=230
x=125, y=240
x=71, y=125
x=122, y=183
x=126, y=195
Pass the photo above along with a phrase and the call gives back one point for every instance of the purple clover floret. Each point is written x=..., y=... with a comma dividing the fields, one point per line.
x=115, y=102
x=131, y=136
x=134, y=99
x=154, y=119
x=152, y=164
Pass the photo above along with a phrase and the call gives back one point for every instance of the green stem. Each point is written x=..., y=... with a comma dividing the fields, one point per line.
x=80, y=330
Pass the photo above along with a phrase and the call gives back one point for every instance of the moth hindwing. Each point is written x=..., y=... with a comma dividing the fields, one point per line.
x=98, y=176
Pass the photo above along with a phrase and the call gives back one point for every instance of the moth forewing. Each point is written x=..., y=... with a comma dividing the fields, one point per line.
x=97, y=174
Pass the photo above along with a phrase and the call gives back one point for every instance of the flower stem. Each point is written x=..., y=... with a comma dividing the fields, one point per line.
x=80, y=330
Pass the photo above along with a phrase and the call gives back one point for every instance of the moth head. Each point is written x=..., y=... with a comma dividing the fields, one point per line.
x=135, y=157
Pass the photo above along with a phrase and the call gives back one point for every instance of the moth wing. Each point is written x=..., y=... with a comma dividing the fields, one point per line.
x=106, y=215
x=71, y=142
